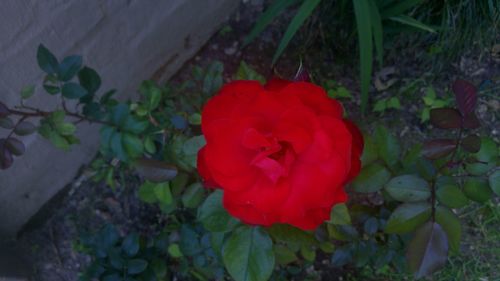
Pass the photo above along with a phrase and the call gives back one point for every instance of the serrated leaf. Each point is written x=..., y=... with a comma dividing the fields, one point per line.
x=46, y=60
x=248, y=254
x=407, y=217
x=371, y=178
x=451, y=196
x=69, y=67
x=25, y=128
x=154, y=170
x=340, y=215
x=446, y=118
x=471, y=143
x=438, y=148
x=450, y=223
x=465, y=95
x=408, y=188
x=428, y=250
x=213, y=216
x=72, y=90
x=477, y=189
x=494, y=181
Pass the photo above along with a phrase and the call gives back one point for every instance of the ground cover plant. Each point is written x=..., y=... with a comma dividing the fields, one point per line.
x=404, y=217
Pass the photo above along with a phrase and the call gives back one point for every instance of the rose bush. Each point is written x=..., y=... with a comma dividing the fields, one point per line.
x=282, y=153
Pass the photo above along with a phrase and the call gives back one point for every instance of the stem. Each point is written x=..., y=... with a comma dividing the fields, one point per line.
x=41, y=113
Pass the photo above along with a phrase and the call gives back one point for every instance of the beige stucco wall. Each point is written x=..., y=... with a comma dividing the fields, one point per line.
x=127, y=41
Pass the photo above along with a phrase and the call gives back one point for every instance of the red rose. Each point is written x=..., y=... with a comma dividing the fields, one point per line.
x=282, y=153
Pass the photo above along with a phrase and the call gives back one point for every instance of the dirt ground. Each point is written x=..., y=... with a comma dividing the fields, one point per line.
x=86, y=205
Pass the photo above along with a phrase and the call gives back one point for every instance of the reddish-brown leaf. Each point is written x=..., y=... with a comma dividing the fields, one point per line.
x=446, y=118
x=471, y=143
x=438, y=148
x=4, y=110
x=428, y=250
x=6, y=158
x=465, y=95
x=470, y=121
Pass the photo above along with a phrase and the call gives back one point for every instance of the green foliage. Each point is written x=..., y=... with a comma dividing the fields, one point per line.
x=370, y=17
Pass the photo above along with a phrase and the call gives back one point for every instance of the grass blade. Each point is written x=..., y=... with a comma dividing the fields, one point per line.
x=363, y=23
x=412, y=22
x=378, y=35
x=399, y=8
x=303, y=13
x=276, y=8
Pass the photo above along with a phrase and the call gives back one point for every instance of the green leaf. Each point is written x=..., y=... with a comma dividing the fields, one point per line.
x=248, y=254
x=370, y=151
x=407, y=217
x=136, y=266
x=27, y=92
x=72, y=90
x=276, y=8
x=451, y=225
x=152, y=94
x=378, y=36
x=451, y=196
x=163, y=194
x=487, y=157
x=289, y=234
x=494, y=180
x=308, y=253
x=364, y=28
x=399, y=7
x=284, y=255
x=213, y=216
x=117, y=146
x=412, y=22
x=303, y=13
x=46, y=60
x=371, y=178
x=388, y=145
x=193, y=195
x=130, y=245
x=477, y=189
x=133, y=145
x=89, y=79
x=112, y=277
x=65, y=129
x=340, y=215
x=428, y=250
x=195, y=119
x=174, y=251
x=245, y=72
x=69, y=67
x=408, y=188
x=147, y=192
x=6, y=123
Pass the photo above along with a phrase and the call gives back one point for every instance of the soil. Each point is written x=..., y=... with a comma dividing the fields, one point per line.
x=86, y=205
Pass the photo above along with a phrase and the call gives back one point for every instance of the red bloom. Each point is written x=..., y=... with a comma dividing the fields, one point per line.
x=282, y=153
